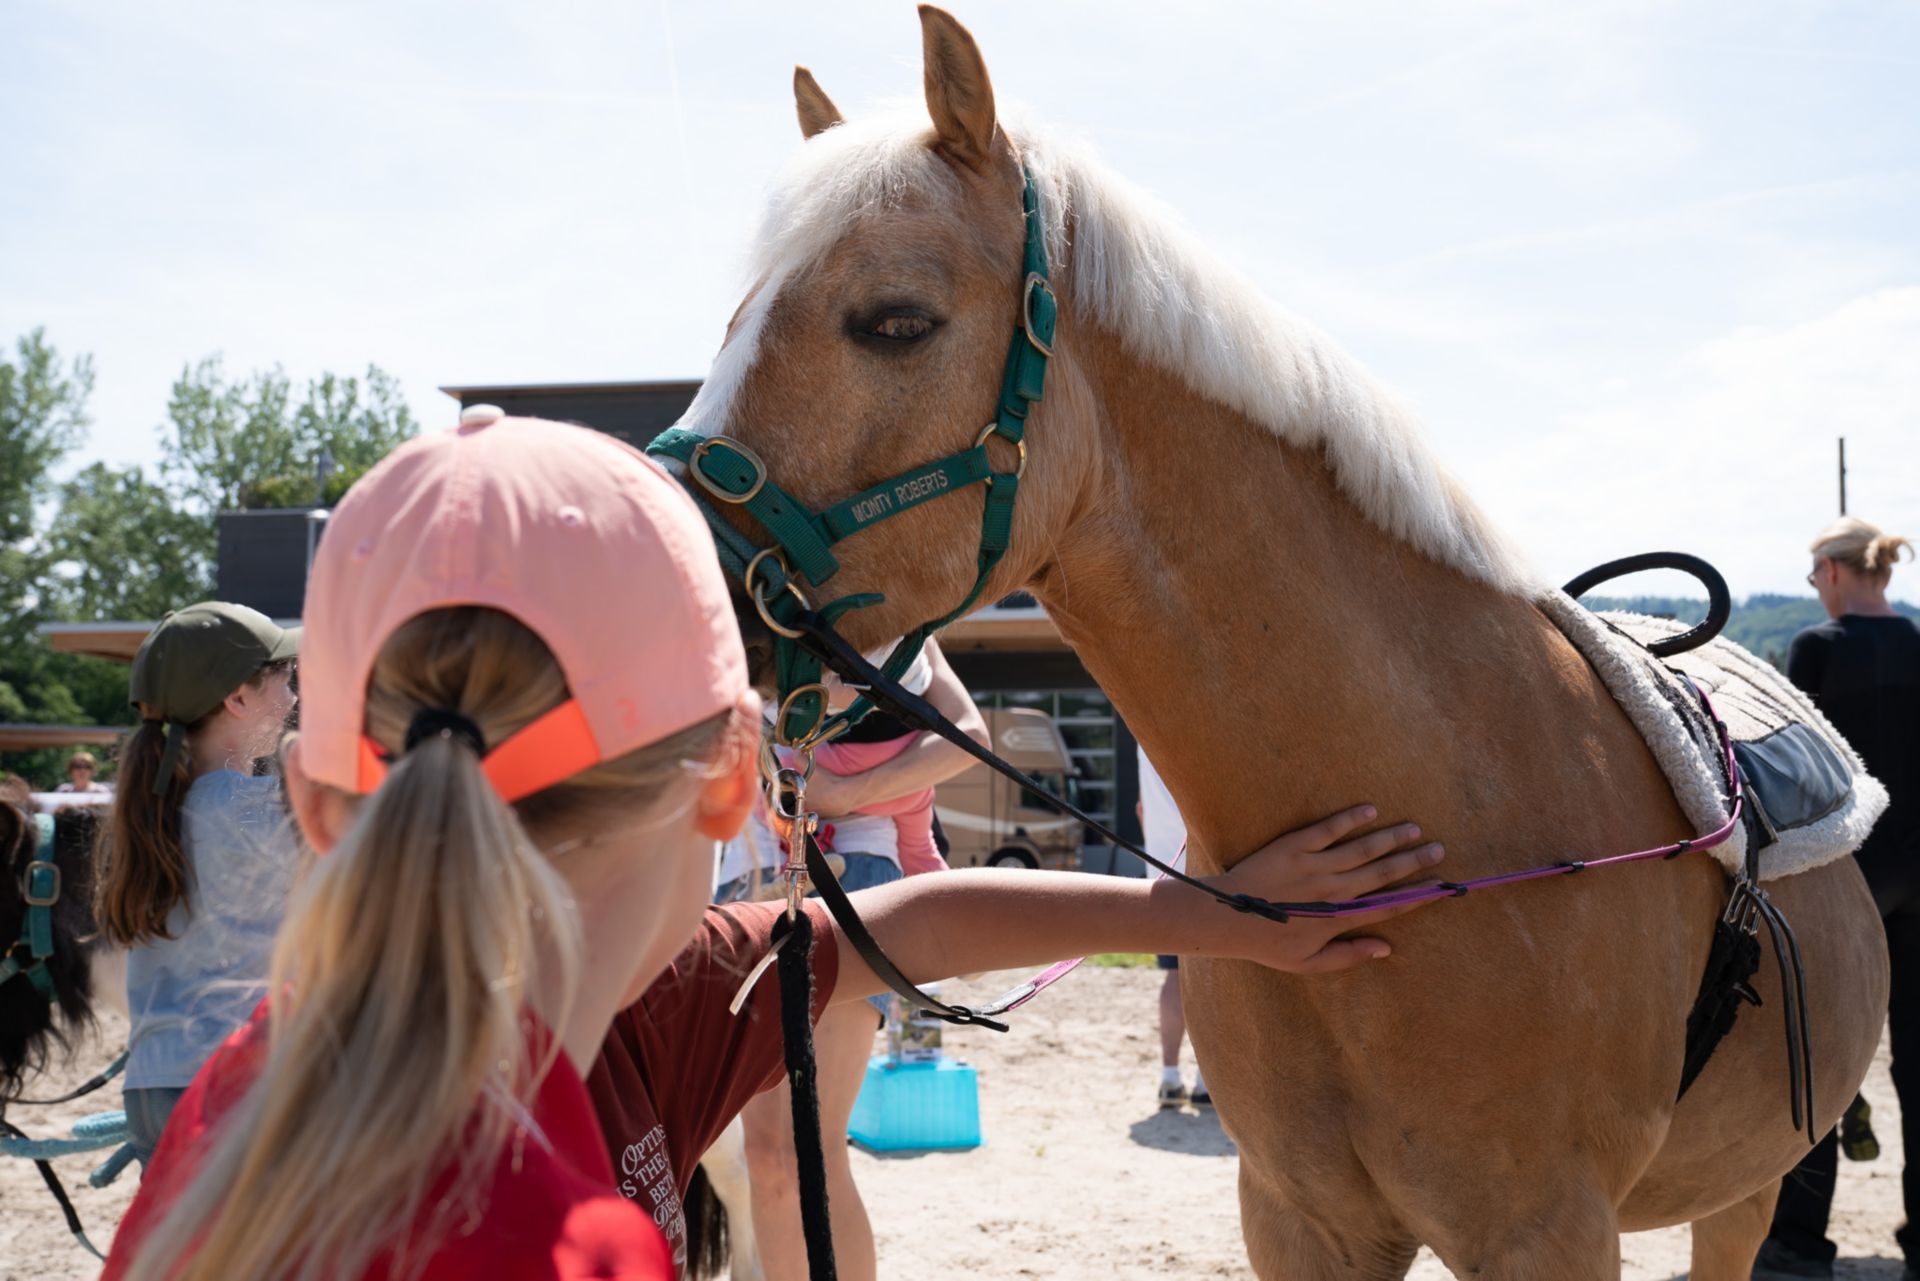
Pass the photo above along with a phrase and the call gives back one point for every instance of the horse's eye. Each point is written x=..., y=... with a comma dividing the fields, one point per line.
x=902, y=326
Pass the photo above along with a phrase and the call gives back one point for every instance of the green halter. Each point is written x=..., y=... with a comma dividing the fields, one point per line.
x=728, y=472
x=39, y=890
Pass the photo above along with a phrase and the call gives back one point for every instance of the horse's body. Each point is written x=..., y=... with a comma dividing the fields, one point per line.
x=1296, y=610
x=1501, y=1089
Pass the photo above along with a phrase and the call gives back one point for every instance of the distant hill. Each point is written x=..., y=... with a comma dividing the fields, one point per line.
x=1761, y=623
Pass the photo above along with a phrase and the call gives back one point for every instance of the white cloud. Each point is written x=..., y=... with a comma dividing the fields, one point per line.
x=1731, y=452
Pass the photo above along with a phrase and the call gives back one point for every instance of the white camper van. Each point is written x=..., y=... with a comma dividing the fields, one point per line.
x=992, y=823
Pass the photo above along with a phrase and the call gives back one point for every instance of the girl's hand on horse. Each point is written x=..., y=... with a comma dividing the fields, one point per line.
x=1317, y=863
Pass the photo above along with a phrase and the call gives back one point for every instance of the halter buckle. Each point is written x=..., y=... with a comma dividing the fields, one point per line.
x=1034, y=280
x=760, y=602
x=40, y=885
x=711, y=485
x=1020, y=468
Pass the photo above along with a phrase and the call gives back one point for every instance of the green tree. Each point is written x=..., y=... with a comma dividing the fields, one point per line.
x=221, y=435
x=254, y=443
x=358, y=422
x=124, y=548
x=43, y=415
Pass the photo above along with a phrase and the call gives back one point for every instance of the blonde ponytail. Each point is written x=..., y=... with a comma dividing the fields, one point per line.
x=399, y=1053
x=1861, y=547
x=1883, y=551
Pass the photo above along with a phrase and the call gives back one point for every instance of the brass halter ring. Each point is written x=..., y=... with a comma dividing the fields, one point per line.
x=801, y=742
x=760, y=600
x=1020, y=468
x=770, y=765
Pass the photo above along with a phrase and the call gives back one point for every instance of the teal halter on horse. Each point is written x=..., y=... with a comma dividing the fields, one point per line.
x=726, y=471
x=39, y=891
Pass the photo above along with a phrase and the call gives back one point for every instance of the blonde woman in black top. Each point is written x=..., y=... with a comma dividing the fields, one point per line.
x=1862, y=669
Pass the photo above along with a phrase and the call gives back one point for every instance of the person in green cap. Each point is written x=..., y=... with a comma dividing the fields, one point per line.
x=198, y=855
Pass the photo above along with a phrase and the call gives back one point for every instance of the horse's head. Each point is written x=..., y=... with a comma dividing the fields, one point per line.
x=29, y=1028
x=889, y=282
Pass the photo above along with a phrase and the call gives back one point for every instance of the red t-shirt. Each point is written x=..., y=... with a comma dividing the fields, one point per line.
x=677, y=1066
x=551, y=1212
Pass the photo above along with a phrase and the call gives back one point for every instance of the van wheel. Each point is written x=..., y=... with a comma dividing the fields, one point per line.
x=1012, y=858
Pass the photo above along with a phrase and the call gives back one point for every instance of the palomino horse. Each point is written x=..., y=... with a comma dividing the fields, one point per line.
x=1252, y=550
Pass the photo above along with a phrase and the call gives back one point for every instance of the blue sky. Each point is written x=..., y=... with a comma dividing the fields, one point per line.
x=1637, y=264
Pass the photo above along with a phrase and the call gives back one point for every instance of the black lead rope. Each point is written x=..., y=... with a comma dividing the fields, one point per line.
x=47, y=1173
x=835, y=897
x=56, y=1187
x=1750, y=906
x=841, y=658
x=795, y=965
x=107, y=1074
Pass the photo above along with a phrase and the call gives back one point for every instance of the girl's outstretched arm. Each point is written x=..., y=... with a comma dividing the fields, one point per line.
x=992, y=919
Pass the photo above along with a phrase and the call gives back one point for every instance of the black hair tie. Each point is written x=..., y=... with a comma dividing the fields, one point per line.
x=440, y=722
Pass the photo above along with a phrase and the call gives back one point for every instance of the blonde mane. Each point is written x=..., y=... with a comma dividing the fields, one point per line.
x=1127, y=263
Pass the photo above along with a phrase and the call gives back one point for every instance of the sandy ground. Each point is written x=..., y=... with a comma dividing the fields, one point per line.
x=1081, y=1177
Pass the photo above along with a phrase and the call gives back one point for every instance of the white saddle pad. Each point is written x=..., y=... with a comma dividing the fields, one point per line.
x=1753, y=699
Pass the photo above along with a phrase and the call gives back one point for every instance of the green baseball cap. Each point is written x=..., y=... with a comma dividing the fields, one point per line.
x=197, y=656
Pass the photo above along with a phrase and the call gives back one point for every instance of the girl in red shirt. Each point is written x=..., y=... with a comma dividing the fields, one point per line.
x=526, y=726
x=527, y=721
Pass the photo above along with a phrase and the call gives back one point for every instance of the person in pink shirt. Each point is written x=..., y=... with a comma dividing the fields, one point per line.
x=864, y=771
x=873, y=788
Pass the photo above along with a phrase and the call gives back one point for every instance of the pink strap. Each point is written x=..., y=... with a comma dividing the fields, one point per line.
x=1040, y=982
x=1014, y=998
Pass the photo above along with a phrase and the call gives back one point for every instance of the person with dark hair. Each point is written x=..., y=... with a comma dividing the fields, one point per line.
x=198, y=855
x=1862, y=669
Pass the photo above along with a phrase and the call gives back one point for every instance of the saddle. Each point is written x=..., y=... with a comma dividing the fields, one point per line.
x=1809, y=798
x=1805, y=797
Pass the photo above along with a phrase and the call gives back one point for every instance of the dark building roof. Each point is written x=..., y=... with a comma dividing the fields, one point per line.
x=635, y=412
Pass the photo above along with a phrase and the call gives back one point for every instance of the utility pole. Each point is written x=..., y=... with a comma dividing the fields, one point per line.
x=1843, y=475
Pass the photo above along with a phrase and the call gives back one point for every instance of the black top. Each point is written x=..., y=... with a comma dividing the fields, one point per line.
x=1864, y=673
x=876, y=727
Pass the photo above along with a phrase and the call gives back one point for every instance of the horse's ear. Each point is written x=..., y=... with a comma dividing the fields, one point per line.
x=817, y=112
x=959, y=95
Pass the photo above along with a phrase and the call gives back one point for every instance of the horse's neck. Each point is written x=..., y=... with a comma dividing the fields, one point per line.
x=1276, y=653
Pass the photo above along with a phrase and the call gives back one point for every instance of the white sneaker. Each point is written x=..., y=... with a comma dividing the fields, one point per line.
x=1172, y=1094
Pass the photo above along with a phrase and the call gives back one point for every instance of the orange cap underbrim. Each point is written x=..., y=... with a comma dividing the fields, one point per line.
x=551, y=749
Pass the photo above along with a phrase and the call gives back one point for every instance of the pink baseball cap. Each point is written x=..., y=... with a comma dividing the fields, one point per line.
x=579, y=537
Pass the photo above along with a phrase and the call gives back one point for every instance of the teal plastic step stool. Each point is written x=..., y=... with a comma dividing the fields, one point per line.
x=917, y=1106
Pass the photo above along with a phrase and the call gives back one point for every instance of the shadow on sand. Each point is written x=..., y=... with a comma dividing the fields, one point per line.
x=1194, y=1133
